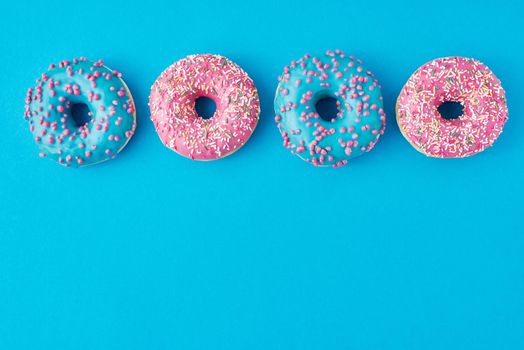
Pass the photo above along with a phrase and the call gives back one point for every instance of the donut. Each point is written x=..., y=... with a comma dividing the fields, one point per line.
x=452, y=79
x=360, y=119
x=48, y=110
x=172, y=105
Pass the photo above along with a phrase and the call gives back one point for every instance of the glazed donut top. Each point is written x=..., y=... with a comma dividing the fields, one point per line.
x=172, y=104
x=357, y=126
x=48, y=111
x=458, y=79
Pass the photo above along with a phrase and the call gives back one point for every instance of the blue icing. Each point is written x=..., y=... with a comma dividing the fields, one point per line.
x=357, y=126
x=112, y=113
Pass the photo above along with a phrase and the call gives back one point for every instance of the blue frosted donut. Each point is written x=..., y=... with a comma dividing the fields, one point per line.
x=111, y=109
x=360, y=119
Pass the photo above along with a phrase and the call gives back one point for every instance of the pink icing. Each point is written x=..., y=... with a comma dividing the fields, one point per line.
x=459, y=79
x=172, y=104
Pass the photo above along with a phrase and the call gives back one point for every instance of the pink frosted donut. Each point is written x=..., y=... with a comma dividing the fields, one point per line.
x=452, y=79
x=172, y=105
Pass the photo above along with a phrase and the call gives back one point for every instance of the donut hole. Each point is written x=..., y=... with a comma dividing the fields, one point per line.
x=205, y=107
x=81, y=114
x=451, y=110
x=327, y=108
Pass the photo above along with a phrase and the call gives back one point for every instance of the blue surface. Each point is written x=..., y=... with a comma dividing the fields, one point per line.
x=260, y=250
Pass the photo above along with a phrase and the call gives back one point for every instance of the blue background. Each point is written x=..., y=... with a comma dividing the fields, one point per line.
x=260, y=250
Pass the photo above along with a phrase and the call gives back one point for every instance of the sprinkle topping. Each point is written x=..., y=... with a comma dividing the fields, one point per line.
x=456, y=79
x=172, y=104
x=48, y=110
x=360, y=119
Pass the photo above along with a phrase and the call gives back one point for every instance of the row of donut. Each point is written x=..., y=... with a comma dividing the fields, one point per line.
x=353, y=130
